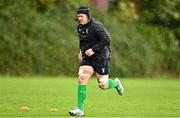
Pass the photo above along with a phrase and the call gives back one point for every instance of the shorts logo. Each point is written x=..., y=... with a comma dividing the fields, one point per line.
x=103, y=70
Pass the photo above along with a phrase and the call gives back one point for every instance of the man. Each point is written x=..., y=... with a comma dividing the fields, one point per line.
x=94, y=56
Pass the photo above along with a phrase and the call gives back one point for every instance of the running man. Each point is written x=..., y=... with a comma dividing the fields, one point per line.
x=94, y=56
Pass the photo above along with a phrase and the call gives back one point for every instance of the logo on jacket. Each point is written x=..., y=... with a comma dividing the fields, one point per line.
x=103, y=70
x=83, y=31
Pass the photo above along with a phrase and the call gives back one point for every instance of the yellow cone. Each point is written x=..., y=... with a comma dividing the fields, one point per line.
x=53, y=109
x=24, y=108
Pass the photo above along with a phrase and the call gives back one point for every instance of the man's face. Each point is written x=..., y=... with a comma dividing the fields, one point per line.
x=82, y=19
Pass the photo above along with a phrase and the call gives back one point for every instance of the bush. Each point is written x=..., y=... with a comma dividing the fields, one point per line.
x=39, y=37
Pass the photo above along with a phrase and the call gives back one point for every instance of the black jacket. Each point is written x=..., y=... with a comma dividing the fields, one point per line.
x=94, y=35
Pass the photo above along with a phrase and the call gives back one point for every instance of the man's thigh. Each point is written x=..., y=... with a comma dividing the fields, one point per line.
x=101, y=66
x=85, y=72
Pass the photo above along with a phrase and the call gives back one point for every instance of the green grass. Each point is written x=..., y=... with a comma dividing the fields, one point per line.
x=142, y=98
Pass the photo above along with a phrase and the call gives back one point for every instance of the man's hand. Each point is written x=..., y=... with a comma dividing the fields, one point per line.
x=89, y=52
x=80, y=56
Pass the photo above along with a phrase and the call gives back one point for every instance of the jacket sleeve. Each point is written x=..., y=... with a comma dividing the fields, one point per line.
x=103, y=36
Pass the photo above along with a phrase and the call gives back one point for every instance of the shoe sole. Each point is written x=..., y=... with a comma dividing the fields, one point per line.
x=72, y=114
x=122, y=89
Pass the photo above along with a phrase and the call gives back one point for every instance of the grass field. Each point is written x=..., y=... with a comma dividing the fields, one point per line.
x=142, y=98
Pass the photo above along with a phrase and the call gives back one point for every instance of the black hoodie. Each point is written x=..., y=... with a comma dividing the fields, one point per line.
x=94, y=35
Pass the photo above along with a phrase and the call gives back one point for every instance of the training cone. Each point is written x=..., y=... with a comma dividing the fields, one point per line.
x=24, y=108
x=53, y=109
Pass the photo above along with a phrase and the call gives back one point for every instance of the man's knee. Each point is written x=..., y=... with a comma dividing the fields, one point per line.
x=83, y=79
x=84, y=74
x=103, y=81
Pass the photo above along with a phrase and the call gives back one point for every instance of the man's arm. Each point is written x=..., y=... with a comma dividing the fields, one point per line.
x=104, y=37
